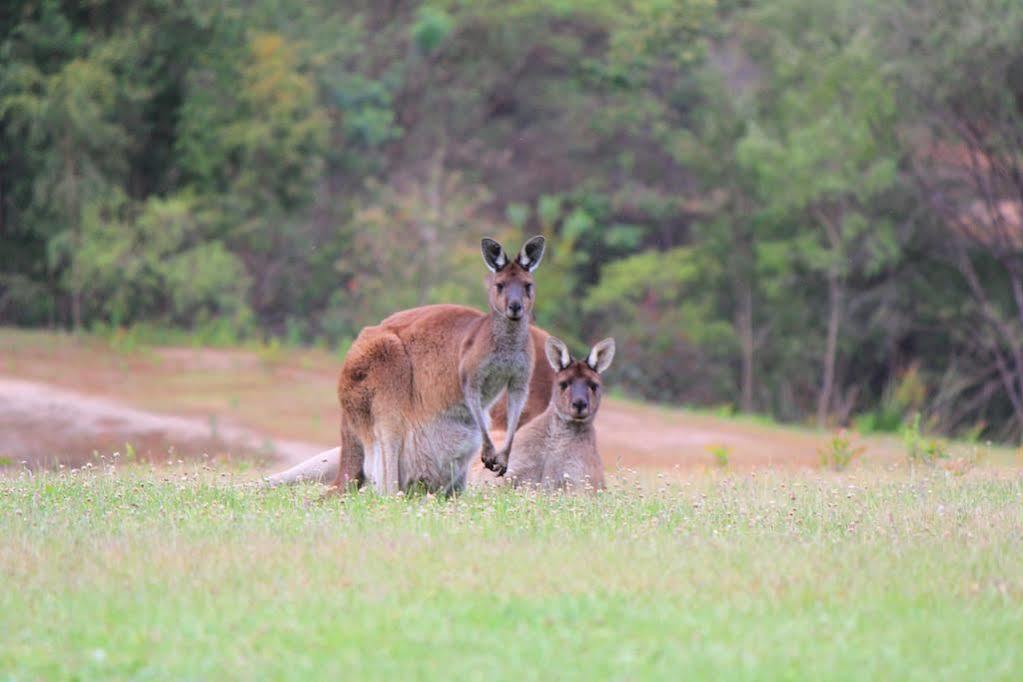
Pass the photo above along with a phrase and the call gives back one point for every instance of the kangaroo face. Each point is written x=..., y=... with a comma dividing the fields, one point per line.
x=510, y=287
x=577, y=384
x=577, y=392
x=511, y=292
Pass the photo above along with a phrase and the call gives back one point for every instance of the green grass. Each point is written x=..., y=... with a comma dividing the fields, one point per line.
x=186, y=573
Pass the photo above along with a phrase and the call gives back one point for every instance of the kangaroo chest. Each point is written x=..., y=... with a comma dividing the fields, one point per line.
x=502, y=369
x=546, y=453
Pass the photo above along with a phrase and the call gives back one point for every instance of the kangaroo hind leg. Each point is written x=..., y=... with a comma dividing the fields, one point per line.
x=350, y=474
x=391, y=447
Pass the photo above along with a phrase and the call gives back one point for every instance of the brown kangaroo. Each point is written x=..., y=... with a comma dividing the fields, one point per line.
x=323, y=468
x=558, y=449
x=415, y=389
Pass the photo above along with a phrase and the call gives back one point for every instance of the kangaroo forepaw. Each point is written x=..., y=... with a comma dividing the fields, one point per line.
x=495, y=466
x=496, y=461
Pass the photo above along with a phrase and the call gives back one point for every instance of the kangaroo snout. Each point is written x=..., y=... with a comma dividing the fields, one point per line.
x=515, y=310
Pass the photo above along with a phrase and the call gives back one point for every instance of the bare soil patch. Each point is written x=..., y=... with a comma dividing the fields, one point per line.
x=85, y=395
x=42, y=425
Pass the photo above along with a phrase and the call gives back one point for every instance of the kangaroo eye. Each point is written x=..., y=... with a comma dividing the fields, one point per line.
x=500, y=287
x=594, y=386
x=564, y=385
x=529, y=290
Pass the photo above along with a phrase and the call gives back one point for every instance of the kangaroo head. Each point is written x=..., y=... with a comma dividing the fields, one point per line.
x=577, y=384
x=510, y=289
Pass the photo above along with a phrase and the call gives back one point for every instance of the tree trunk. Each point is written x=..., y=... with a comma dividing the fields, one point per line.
x=73, y=211
x=76, y=309
x=1016, y=283
x=1003, y=342
x=830, y=349
x=744, y=326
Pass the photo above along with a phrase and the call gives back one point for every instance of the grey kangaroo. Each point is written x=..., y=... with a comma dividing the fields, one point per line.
x=558, y=449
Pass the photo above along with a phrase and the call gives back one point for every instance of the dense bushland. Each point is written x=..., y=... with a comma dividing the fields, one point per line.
x=803, y=208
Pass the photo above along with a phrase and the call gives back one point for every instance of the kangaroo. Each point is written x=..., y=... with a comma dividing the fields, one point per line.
x=558, y=448
x=323, y=468
x=415, y=389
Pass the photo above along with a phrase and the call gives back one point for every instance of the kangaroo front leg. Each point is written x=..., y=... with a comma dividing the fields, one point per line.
x=474, y=401
x=517, y=396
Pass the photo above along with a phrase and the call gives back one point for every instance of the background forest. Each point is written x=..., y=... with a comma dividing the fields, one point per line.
x=810, y=209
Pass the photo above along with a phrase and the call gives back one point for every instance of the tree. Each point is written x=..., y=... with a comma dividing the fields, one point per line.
x=823, y=150
x=726, y=233
x=254, y=143
x=409, y=247
x=159, y=264
x=666, y=323
x=65, y=117
x=966, y=102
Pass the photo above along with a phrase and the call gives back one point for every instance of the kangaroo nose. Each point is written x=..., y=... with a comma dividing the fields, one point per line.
x=515, y=307
x=579, y=405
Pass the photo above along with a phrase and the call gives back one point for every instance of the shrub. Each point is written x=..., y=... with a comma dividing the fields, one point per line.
x=919, y=448
x=720, y=453
x=962, y=465
x=839, y=452
x=907, y=393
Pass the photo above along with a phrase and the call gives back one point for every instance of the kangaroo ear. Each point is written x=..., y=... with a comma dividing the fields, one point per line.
x=494, y=255
x=557, y=354
x=532, y=253
x=601, y=356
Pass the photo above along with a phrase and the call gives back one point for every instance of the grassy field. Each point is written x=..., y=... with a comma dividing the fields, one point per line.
x=190, y=573
x=763, y=567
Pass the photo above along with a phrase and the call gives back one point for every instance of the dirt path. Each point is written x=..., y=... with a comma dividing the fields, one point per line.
x=647, y=437
x=62, y=397
x=42, y=424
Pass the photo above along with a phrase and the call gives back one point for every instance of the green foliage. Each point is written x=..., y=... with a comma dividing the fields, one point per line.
x=163, y=260
x=423, y=246
x=216, y=333
x=919, y=448
x=432, y=26
x=840, y=451
x=665, y=324
x=743, y=194
x=721, y=455
x=898, y=400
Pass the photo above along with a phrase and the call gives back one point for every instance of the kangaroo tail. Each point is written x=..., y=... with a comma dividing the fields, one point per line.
x=321, y=468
